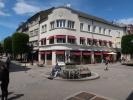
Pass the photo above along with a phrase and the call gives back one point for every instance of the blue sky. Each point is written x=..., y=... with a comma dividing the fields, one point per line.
x=13, y=12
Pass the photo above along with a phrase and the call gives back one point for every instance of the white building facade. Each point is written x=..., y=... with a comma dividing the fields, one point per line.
x=66, y=35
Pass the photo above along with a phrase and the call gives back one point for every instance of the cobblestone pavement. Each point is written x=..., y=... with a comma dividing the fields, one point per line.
x=31, y=84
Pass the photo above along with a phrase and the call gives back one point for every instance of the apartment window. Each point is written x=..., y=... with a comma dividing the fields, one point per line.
x=51, y=41
x=60, y=23
x=109, y=32
x=70, y=24
x=89, y=28
x=61, y=40
x=89, y=41
x=94, y=29
x=36, y=32
x=44, y=28
x=100, y=29
x=43, y=41
x=100, y=42
x=82, y=40
x=104, y=43
x=31, y=33
x=94, y=42
x=52, y=25
x=104, y=31
x=71, y=39
x=81, y=26
x=110, y=43
x=118, y=34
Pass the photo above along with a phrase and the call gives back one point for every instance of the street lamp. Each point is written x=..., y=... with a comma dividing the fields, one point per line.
x=31, y=52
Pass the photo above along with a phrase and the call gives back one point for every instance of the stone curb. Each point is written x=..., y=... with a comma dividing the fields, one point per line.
x=93, y=77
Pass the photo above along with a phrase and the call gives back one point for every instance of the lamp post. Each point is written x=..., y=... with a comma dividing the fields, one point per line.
x=31, y=54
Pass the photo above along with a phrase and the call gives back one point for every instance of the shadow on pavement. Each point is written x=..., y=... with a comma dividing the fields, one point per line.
x=16, y=68
x=16, y=96
x=130, y=97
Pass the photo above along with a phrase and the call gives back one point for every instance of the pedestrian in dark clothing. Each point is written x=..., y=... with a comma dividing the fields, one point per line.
x=8, y=61
x=4, y=81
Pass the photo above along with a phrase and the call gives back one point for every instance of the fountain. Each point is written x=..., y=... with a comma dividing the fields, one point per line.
x=77, y=72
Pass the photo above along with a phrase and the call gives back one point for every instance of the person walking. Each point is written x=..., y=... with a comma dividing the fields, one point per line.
x=106, y=63
x=4, y=81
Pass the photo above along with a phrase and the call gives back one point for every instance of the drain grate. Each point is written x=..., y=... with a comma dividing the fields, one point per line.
x=86, y=96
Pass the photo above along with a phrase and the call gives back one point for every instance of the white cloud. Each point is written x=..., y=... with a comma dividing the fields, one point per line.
x=2, y=6
x=126, y=21
x=22, y=7
x=3, y=13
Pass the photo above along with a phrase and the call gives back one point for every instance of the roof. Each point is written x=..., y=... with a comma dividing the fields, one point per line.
x=42, y=14
x=88, y=16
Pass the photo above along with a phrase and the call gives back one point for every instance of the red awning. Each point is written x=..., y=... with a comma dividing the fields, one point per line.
x=89, y=38
x=42, y=52
x=71, y=37
x=95, y=40
x=110, y=42
x=100, y=40
x=82, y=38
x=87, y=53
x=60, y=36
x=50, y=37
x=105, y=53
x=76, y=53
x=105, y=41
x=98, y=53
x=48, y=52
x=43, y=39
x=60, y=52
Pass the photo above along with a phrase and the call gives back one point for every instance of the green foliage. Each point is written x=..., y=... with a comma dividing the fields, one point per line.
x=19, y=41
x=8, y=45
x=127, y=44
x=1, y=48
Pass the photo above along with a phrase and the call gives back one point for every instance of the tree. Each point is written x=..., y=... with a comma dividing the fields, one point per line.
x=1, y=49
x=127, y=44
x=8, y=45
x=20, y=41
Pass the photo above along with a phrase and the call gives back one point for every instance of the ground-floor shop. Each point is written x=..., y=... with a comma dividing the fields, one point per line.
x=52, y=57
